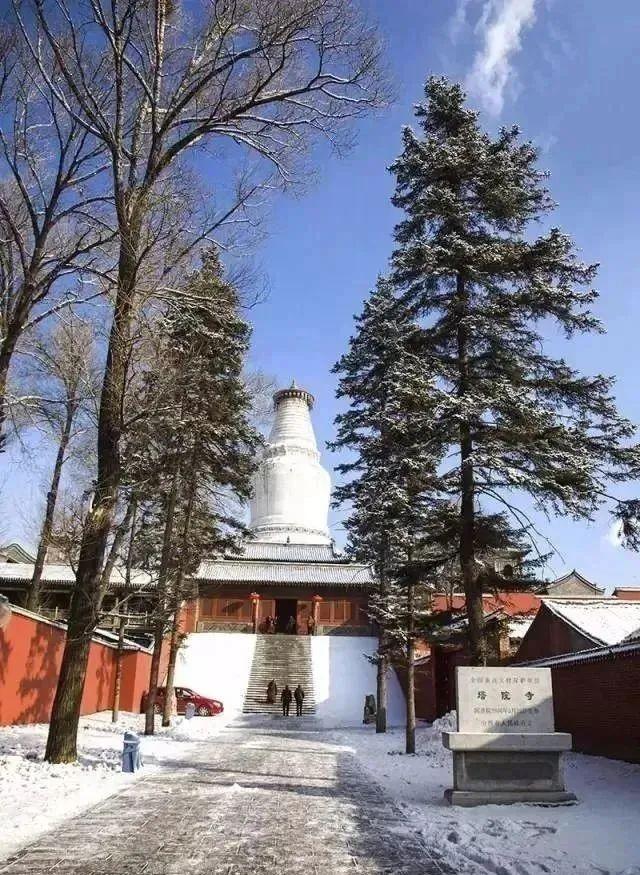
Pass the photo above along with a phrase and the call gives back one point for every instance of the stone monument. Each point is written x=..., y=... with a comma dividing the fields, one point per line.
x=506, y=749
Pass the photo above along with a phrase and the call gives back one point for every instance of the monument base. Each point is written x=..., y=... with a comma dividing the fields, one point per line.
x=469, y=798
x=500, y=769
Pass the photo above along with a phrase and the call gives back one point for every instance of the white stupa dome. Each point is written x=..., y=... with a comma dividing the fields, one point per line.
x=291, y=489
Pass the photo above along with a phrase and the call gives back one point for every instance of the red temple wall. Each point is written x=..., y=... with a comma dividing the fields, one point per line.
x=31, y=651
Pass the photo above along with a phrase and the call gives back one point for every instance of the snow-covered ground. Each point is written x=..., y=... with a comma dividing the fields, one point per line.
x=343, y=676
x=600, y=834
x=36, y=796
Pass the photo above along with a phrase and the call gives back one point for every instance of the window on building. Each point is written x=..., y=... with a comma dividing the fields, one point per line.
x=236, y=609
x=207, y=607
x=325, y=612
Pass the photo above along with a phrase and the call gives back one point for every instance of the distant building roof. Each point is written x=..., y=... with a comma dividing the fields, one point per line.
x=602, y=620
x=627, y=592
x=513, y=603
x=15, y=553
x=573, y=577
x=64, y=574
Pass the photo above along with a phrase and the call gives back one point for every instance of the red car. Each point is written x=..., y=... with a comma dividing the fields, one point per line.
x=204, y=706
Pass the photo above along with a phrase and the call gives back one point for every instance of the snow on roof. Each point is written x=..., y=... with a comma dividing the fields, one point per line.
x=603, y=620
x=519, y=626
x=23, y=571
x=312, y=573
x=633, y=638
x=594, y=653
x=99, y=634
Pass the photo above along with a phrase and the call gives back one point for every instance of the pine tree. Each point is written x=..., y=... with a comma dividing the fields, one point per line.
x=392, y=485
x=517, y=421
x=203, y=446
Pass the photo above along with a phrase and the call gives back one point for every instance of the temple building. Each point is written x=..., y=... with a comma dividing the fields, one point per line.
x=289, y=571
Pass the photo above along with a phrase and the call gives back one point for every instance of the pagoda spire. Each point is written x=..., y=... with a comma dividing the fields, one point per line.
x=291, y=489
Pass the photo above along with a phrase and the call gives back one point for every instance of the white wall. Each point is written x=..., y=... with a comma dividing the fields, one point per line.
x=342, y=677
x=217, y=664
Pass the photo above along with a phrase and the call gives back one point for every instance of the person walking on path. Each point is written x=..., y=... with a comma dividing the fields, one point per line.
x=285, y=698
x=311, y=625
x=272, y=692
x=299, y=697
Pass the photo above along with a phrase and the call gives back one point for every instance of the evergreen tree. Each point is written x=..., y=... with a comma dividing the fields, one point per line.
x=516, y=420
x=392, y=479
x=193, y=458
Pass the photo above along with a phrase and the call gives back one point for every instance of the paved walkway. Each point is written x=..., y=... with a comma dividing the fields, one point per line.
x=252, y=800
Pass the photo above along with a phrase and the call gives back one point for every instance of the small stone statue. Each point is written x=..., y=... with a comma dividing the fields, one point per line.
x=369, y=715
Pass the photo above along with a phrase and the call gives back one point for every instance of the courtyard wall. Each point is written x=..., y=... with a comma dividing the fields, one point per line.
x=596, y=699
x=31, y=649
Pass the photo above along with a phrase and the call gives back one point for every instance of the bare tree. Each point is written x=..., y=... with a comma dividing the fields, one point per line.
x=63, y=364
x=52, y=210
x=253, y=79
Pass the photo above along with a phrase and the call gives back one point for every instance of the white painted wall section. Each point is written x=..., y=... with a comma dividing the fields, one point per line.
x=342, y=677
x=217, y=664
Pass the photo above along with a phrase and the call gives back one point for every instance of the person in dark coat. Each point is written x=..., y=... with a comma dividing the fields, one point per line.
x=272, y=692
x=291, y=626
x=285, y=698
x=299, y=697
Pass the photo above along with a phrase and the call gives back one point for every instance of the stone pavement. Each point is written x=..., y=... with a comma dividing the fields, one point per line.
x=254, y=799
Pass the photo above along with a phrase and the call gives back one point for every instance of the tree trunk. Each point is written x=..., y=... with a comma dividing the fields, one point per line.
x=177, y=601
x=171, y=666
x=411, y=691
x=472, y=589
x=158, y=632
x=33, y=595
x=154, y=673
x=381, y=711
x=85, y=603
x=7, y=348
x=125, y=526
x=115, y=713
x=63, y=728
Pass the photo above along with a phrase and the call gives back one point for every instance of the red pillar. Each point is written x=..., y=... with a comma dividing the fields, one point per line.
x=255, y=611
x=316, y=611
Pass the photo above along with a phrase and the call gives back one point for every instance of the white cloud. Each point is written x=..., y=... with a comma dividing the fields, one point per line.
x=500, y=26
x=458, y=19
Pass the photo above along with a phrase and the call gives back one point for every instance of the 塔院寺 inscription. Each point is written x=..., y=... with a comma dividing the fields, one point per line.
x=504, y=700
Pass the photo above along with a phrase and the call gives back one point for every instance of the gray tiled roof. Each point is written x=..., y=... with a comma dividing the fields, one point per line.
x=264, y=550
x=311, y=573
x=23, y=571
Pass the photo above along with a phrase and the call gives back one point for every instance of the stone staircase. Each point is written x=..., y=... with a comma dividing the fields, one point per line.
x=287, y=660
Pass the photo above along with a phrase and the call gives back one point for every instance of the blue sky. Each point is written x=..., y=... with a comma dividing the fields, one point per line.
x=568, y=73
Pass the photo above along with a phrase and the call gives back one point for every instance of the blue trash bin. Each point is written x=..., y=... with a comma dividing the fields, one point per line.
x=131, y=756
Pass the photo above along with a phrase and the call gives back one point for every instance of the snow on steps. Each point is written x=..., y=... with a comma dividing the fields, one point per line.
x=285, y=659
